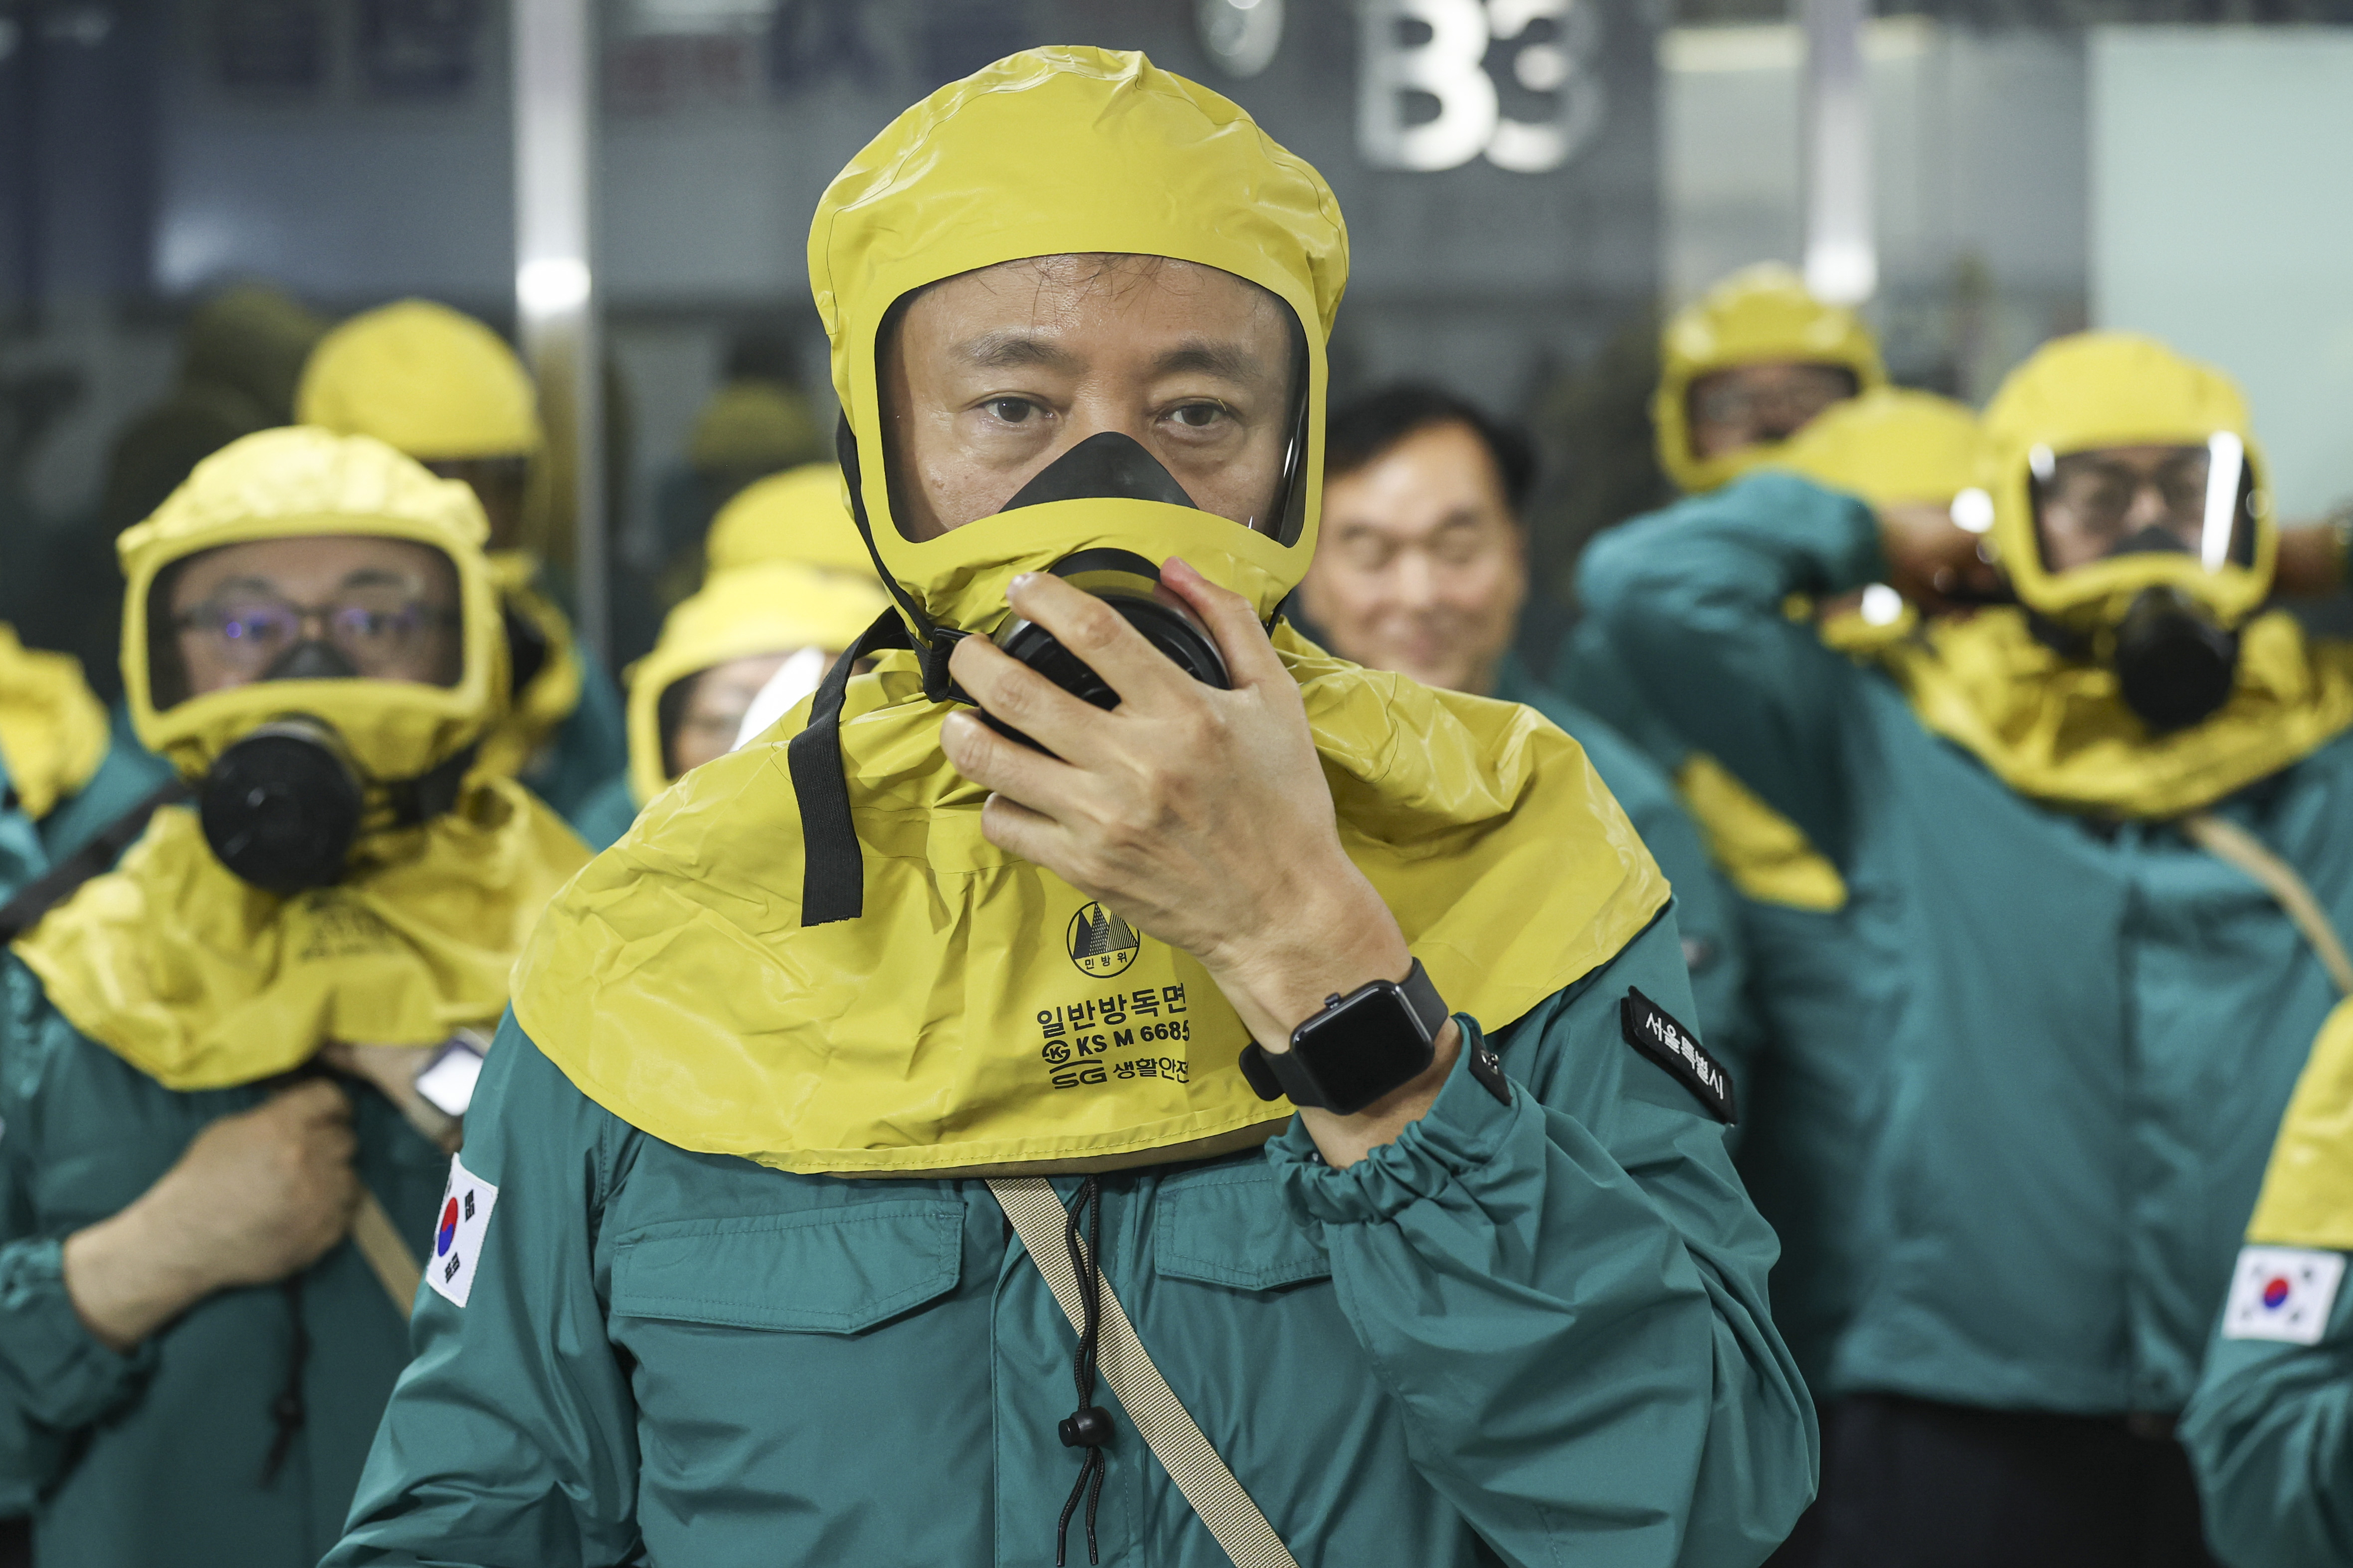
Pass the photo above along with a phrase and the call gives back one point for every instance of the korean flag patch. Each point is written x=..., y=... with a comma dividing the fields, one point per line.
x=458, y=1232
x=2283, y=1293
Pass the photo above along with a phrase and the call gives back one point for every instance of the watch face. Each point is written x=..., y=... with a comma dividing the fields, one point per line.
x=1365, y=1047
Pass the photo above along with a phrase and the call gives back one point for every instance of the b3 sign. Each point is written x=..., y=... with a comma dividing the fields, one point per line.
x=1554, y=41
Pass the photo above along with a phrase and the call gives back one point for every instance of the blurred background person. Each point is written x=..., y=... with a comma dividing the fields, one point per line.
x=1422, y=569
x=449, y=392
x=216, y=1054
x=2063, y=820
x=2271, y=1426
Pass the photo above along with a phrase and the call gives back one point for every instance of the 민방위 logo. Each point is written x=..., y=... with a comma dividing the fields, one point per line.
x=1101, y=943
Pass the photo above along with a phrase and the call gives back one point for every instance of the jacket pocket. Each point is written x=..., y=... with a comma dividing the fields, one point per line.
x=1229, y=1227
x=834, y=1271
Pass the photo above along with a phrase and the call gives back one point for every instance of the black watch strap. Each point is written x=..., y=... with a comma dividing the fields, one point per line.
x=1292, y=1074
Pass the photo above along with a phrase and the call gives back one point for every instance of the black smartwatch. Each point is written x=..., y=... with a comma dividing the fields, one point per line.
x=1377, y=1039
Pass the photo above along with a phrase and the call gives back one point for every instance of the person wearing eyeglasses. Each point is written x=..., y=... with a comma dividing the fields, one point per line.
x=2095, y=813
x=236, y=1063
x=449, y=392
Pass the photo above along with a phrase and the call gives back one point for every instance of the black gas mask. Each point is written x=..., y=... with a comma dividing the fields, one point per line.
x=282, y=805
x=1110, y=466
x=2175, y=667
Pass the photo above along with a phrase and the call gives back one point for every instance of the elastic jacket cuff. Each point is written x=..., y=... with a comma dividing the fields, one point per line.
x=63, y=1376
x=1473, y=1118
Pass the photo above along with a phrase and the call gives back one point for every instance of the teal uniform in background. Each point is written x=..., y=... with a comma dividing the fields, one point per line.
x=588, y=749
x=2089, y=1030
x=157, y=1460
x=1703, y=913
x=129, y=774
x=1814, y=1016
x=2271, y=1432
x=605, y=813
x=676, y=1357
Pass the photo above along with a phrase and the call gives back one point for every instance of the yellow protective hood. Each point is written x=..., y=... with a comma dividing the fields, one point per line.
x=53, y=730
x=1760, y=314
x=2308, y=1195
x=2115, y=389
x=799, y=515
x=980, y=1015
x=435, y=384
x=299, y=481
x=2058, y=729
x=201, y=981
x=754, y=426
x=1144, y=163
x=553, y=691
x=1890, y=445
x=770, y=606
x=966, y=1023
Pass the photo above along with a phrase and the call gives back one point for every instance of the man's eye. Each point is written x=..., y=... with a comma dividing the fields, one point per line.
x=1011, y=410
x=1197, y=416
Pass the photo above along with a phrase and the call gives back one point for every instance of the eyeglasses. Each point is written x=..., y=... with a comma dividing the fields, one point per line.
x=379, y=630
x=1802, y=393
x=2095, y=497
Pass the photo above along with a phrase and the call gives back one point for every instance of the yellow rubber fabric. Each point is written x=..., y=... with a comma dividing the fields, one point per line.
x=797, y=515
x=551, y=693
x=2307, y=1194
x=1768, y=856
x=435, y=383
x=53, y=729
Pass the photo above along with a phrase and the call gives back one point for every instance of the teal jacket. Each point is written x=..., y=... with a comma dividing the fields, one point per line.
x=2089, y=1032
x=1703, y=903
x=1813, y=1035
x=589, y=747
x=155, y=1459
x=1526, y=1332
x=129, y=774
x=2270, y=1435
x=605, y=813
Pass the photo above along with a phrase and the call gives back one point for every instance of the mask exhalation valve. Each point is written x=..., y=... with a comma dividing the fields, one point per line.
x=2175, y=668
x=281, y=808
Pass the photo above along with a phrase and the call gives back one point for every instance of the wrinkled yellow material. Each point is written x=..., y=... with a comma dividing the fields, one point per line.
x=548, y=698
x=1760, y=314
x=752, y=426
x=771, y=606
x=1769, y=858
x=2115, y=389
x=797, y=515
x=674, y=981
x=435, y=384
x=53, y=729
x=1890, y=445
x=202, y=982
x=2307, y=1194
x=674, y=984
x=298, y=482
x=2059, y=730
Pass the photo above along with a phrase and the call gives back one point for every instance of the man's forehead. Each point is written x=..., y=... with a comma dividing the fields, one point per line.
x=2145, y=457
x=346, y=559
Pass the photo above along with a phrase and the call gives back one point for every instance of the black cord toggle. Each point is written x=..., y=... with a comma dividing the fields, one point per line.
x=1090, y=1428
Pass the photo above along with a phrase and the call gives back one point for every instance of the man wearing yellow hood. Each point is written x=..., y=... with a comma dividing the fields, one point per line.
x=2097, y=843
x=447, y=391
x=886, y=1160
x=241, y=1049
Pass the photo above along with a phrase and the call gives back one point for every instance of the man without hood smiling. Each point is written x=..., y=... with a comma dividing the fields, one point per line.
x=1501, y=1298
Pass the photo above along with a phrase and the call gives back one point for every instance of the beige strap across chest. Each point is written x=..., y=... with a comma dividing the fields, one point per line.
x=2228, y=842
x=1042, y=1222
x=379, y=1241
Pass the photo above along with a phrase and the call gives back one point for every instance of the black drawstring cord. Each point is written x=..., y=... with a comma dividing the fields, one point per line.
x=286, y=1410
x=1089, y=1427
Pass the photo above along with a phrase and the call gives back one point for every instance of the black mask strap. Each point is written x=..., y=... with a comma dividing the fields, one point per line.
x=833, y=868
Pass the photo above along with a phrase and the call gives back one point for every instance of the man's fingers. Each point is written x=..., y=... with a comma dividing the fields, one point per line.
x=1232, y=620
x=317, y=1100
x=1017, y=695
x=1005, y=766
x=1099, y=635
x=1017, y=830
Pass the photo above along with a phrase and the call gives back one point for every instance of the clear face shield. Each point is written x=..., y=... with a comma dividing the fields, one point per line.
x=2181, y=517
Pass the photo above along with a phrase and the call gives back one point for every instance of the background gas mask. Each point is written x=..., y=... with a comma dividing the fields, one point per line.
x=305, y=727
x=2130, y=514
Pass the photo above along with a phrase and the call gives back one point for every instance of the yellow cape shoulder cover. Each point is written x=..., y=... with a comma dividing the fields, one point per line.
x=53, y=730
x=2308, y=1197
x=202, y=982
x=985, y=1015
x=549, y=696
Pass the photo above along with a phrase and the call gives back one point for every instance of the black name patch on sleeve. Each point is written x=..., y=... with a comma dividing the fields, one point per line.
x=1651, y=1030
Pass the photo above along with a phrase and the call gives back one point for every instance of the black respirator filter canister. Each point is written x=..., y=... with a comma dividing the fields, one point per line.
x=1110, y=466
x=281, y=807
x=2175, y=667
